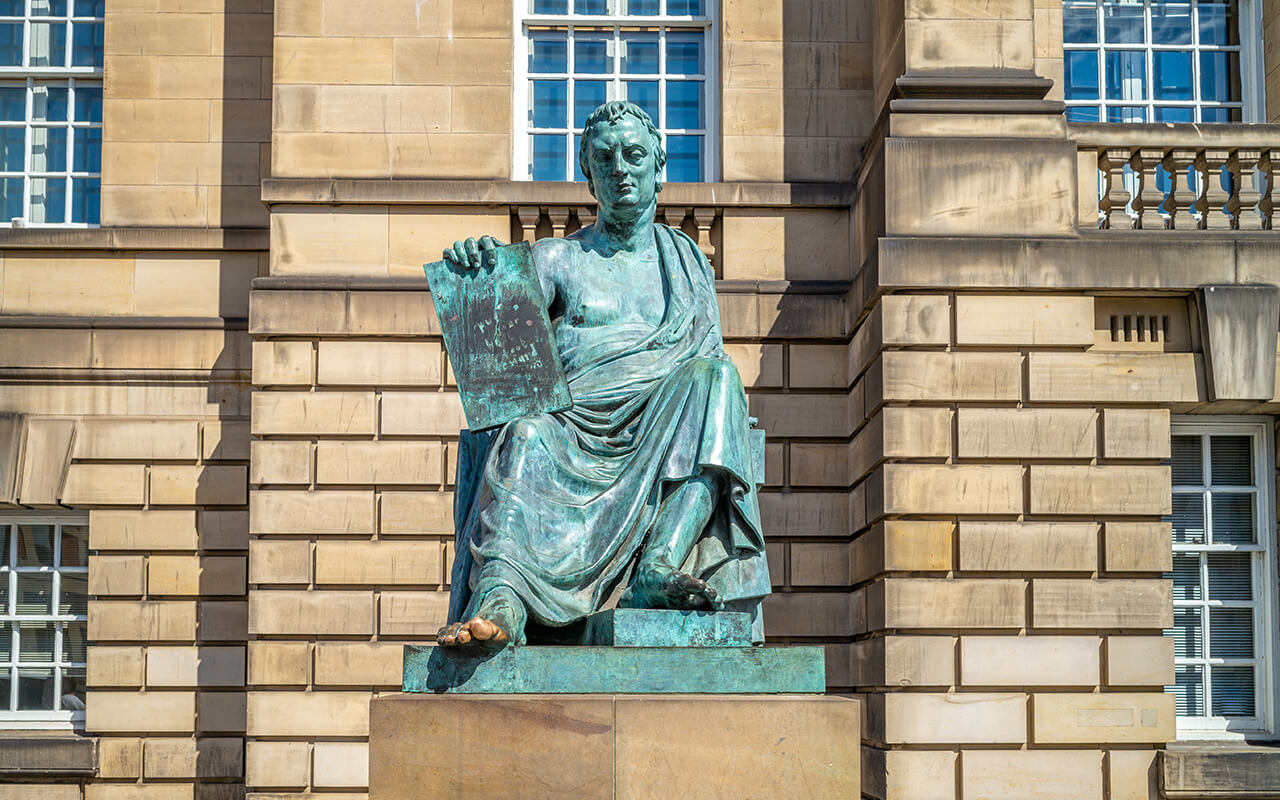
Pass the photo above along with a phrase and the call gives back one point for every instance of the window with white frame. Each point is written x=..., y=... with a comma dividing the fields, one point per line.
x=1223, y=576
x=51, y=54
x=577, y=54
x=1162, y=61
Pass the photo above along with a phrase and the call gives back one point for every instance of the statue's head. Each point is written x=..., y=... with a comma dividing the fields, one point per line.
x=621, y=156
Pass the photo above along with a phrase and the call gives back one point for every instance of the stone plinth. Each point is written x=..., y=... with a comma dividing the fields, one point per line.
x=598, y=747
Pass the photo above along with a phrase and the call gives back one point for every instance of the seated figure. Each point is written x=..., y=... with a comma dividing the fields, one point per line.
x=642, y=494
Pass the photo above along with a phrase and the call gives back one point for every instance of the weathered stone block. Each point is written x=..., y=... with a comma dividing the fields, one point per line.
x=283, y=363
x=1115, y=377
x=386, y=462
x=277, y=765
x=140, y=712
x=1029, y=660
x=1028, y=774
x=279, y=561
x=412, y=613
x=114, y=666
x=1061, y=489
x=1111, y=718
x=379, y=363
x=902, y=546
x=306, y=714
x=1138, y=546
x=195, y=666
x=278, y=413
x=138, y=440
x=1135, y=433
x=311, y=512
x=340, y=765
x=377, y=563
x=1027, y=433
x=376, y=664
x=416, y=512
x=279, y=663
x=332, y=613
x=134, y=620
x=1022, y=320
x=1133, y=774
x=117, y=575
x=143, y=530
x=955, y=718
x=282, y=462
x=1117, y=603
x=946, y=603
x=1028, y=546
x=913, y=375
x=1140, y=661
x=198, y=485
x=943, y=489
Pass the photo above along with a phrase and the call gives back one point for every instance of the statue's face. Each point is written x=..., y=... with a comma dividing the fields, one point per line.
x=623, y=164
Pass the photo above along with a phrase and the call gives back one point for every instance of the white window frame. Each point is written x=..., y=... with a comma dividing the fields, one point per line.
x=522, y=89
x=1252, y=69
x=41, y=720
x=59, y=76
x=1262, y=432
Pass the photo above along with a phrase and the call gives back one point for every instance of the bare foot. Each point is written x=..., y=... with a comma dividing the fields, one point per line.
x=477, y=630
x=498, y=622
x=659, y=585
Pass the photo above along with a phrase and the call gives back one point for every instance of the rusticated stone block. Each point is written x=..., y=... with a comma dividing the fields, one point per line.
x=1032, y=774
x=1110, y=718
x=1029, y=660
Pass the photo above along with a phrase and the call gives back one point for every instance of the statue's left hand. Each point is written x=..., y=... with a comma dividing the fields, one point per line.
x=473, y=253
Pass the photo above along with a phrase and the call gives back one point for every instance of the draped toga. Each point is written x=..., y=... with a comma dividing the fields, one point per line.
x=558, y=506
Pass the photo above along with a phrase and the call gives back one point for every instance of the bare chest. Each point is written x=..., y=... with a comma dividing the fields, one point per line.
x=623, y=288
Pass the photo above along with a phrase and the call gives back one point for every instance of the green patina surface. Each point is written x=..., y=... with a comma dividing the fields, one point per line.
x=647, y=627
x=616, y=670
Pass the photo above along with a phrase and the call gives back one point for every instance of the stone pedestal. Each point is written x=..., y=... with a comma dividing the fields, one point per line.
x=589, y=747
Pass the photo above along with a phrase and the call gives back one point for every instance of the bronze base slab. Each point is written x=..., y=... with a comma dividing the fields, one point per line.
x=637, y=747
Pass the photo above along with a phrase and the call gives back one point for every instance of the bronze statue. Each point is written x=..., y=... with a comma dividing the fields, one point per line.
x=642, y=494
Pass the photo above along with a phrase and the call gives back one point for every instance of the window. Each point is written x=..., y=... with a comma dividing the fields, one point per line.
x=50, y=111
x=1222, y=577
x=44, y=573
x=659, y=54
x=1162, y=61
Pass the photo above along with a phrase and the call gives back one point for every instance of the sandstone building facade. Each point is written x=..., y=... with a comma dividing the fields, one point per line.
x=1016, y=365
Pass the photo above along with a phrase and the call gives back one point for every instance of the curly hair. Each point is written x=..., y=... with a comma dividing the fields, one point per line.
x=609, y=113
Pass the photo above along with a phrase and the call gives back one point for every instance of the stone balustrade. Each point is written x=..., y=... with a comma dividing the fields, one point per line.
x=701, y=223
x=1185, y=177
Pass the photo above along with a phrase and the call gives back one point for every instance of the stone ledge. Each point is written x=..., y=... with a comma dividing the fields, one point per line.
x=147, y=323
x=133, y=238
x=336, y=191
x=27, y=755
x=402, y=284
x=1190, y=772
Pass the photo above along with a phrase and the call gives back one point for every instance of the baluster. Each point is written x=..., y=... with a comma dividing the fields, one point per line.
x=660, y=215
x=1182, y=188
x=1200, y=205
x=1216, y=196
x=688, y=224
x=1267, y=182
x=1247, y=196
x=1115, y=196
x=559, y=216
x=1148, y=197
x=704, y=218
x=587, y=216
x=528, y=217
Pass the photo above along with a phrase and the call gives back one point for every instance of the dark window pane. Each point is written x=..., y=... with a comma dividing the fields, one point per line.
x=1220, y=77
x=1122, y=22
x=1188, y=460
x=88, y=104
x=643, y=8
x=1187, y=633
x=1219, y=114
x=35, y=642
x=12, y=155
x=1081, y=75
x=1188, y=519
x=6, y=649
x=35, y=594
x=75, y=546
x=1231, y=460
x=1231, y=633
x=1079, y=22
x=35, y=545
x=1186, y=576
x=1218, y=22
x=684, y=53
x=587, y=96
x=73, y=642
x=1171, y=23
x=90, y=8
x=10, y=195
x=591, y=55
x=87, y=150
x=684, y=8
x=1082, y=114
x=577, y=162
x=1172, y=74
x=551, y=6
x=684, y=105
x=72, y=690
x=49, y=149
x=1232, y=518
x=639, y=54
x=48, y=8
x=49, y=105
x=1175, y=114
x=645, y=95
x=1233, y=692
x=74, y=595
x=549, y=158
x=1230, y=576
x=13, y=103
x=590, y=7
x=86, y=44
x=550, y=104
x=35, y=689
x=55, y=33
x=1126, y=75
x=1126, y=114
x=684, y=159
x=11, y=44
x=548, y=54
x=49, y=197
x=6, y=531
x=1189, y=691
x=86, y=200
x=11, y=8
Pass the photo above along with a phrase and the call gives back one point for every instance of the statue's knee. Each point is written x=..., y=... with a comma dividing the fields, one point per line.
x=524, y=429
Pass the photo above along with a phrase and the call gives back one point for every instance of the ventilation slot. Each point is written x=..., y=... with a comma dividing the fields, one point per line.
x=1148, y=328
